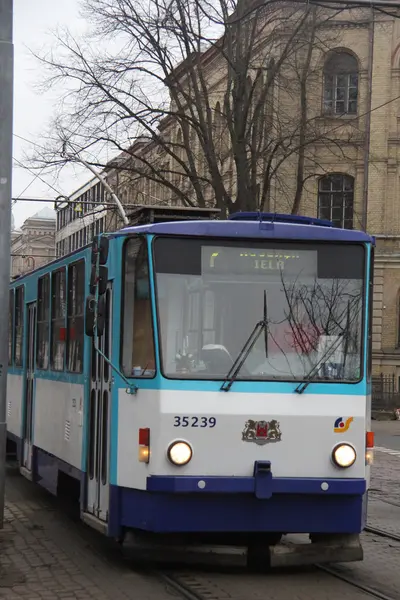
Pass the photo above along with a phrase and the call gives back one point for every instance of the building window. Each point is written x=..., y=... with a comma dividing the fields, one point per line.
x=336, y=200
x=341, y=84
x=19, y=326
x=10, y=325
x=43, y=326
x=76, y=309
x=58, y=314
x=398, y=324
x=138, y=357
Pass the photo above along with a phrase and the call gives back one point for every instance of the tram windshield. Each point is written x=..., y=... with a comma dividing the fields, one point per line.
x=212, y=293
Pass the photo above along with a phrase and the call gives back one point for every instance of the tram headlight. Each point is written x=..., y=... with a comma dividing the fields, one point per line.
x=344, y=455
x=179, y=453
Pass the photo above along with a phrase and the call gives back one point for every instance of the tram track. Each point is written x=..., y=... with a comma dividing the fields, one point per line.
x=379, y=498
x=209, y=585
x=382, y=533
x=186, y=591
x=193, y=589
x=374, y=592
x=189, y=585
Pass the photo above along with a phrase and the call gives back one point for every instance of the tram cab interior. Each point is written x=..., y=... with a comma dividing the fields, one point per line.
x=205, y=318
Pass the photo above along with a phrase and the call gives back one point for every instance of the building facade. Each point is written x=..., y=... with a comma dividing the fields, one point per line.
x=82, y=218
x=352, y=173
x=33, y=245
x=353, y=179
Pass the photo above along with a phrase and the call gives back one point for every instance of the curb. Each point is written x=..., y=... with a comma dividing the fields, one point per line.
x=383, y=415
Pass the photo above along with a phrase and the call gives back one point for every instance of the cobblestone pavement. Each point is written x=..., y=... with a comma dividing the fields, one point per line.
x=44, y=554
x=304, y=584
x=384, y=496
x=385, y=485
x=380, y=567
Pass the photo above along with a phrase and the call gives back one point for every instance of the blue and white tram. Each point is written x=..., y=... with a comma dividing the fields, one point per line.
x=205, y=379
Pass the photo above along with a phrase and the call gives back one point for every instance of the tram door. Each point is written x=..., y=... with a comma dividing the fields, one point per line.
x=99, y=422
x=29, y=388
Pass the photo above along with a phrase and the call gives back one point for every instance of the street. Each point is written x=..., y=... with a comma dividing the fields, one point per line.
x=387, y=434
x=47, y=553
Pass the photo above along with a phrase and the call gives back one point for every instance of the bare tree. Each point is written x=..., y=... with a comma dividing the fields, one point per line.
x=209, y=102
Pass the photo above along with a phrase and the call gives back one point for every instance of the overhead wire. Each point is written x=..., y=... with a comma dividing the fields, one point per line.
x=337, y=4
x=37, y=176
x=15, y=200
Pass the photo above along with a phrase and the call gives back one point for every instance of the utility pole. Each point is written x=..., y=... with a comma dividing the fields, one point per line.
x=6, y=125
x=75, y=157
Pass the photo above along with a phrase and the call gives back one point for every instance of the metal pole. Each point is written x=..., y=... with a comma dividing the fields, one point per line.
x=6, y=123
x=75, y=157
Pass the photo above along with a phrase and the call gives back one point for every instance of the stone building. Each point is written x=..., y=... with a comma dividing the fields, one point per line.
x=91, y=210
x=78, y=221
x=354, y=91
x=33, y=244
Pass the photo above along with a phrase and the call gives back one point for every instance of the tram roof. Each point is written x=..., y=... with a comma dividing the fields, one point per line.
x=252, y=230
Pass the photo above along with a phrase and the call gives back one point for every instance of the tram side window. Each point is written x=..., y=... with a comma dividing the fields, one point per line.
x=138, y=358
x=19, y=326
x=43, y=325
x=58, y=315
x=76, y=309
x=10, y=325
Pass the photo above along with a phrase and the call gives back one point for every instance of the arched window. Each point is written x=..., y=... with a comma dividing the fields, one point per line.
x=398, y=324
x=341, y=84
x=336, y=199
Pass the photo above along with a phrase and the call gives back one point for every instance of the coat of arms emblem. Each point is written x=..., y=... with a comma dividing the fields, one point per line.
x=261, y=432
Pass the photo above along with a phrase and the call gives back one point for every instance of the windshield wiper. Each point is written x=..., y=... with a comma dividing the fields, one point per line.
x=247, y=348
x=309, y=377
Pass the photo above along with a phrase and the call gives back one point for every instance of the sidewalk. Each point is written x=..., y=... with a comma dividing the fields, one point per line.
x=45, y=555
x=384, y=493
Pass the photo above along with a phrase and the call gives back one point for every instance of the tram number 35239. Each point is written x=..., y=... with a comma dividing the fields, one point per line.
x=194, y=421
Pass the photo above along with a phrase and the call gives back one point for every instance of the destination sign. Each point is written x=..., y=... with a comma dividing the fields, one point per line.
x=241, y=261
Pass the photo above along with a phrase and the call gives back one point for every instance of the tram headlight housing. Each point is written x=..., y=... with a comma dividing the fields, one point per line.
x=179, y=453
x=344, y=456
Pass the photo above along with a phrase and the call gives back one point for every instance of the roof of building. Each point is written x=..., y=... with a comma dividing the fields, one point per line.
x=45, y=214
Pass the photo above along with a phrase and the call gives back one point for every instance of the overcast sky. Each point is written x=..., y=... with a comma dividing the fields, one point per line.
x=33, y=22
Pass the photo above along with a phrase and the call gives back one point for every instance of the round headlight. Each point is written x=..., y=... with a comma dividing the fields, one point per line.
x=344, y=455
x=179, y=453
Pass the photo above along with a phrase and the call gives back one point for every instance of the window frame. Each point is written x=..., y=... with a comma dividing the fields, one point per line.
x=69, y=317
x=247, y=241
x=40, y=322
x=398, y=319
x=330, y=193
x=370, y=313
x=144, y=239
x=11, y=317
x=335, y=73
x=20, y=290
x=53, y=319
